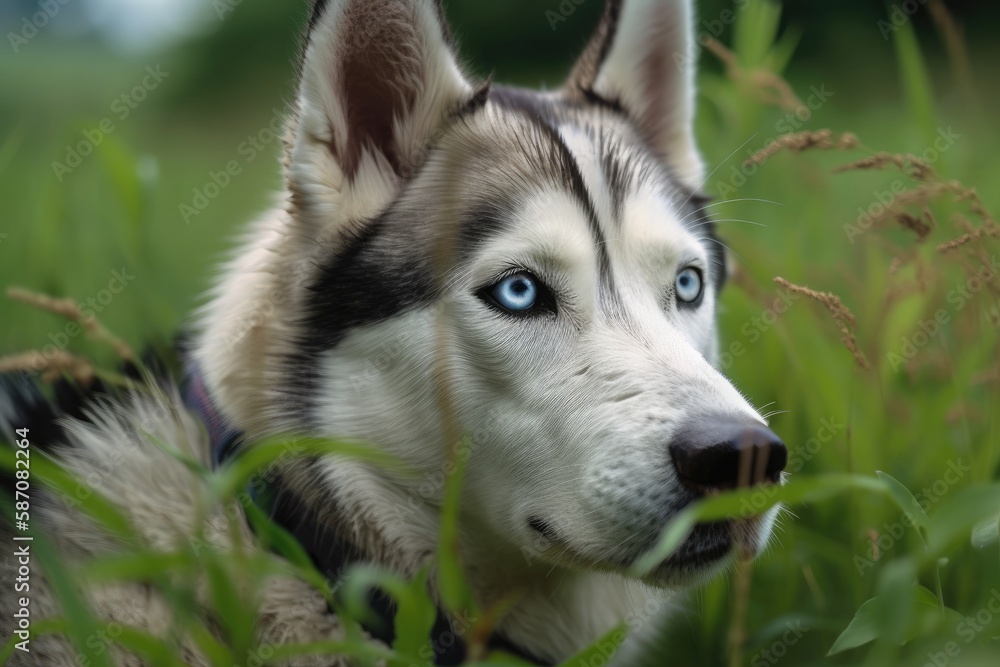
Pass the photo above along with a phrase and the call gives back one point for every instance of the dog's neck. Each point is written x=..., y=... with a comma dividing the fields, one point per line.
x=556, y=611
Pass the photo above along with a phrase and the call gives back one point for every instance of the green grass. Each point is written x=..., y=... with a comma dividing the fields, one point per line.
x=866, y=445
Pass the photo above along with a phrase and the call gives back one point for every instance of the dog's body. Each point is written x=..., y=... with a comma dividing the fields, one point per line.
x=531, y=270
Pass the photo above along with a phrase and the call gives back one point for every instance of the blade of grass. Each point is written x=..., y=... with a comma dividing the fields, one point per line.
x=734, y=504
x=916, y=82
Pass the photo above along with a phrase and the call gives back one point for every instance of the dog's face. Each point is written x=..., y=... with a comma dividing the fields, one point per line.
x=534, y=270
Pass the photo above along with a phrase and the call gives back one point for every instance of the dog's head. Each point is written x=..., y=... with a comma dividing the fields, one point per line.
x=534, y=270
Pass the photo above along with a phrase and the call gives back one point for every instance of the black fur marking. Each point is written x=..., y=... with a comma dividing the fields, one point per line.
x=589, y=66
x=319, y=6
x=600, y=101
x=543, y=118
x=316, y=528
x=478, y=100
x=449, y=36
x=612, y=15
x=379, y=276
x=383, y=273
x=24, y=405
x=489, y=220
x=543, y=528
x=620, y=175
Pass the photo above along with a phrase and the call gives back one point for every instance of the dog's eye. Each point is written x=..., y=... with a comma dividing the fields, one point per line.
x=519, y=293
x=689, y=286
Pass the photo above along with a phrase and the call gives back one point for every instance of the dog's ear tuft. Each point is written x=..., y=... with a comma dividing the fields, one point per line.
x=378, y=78
x=642, y=59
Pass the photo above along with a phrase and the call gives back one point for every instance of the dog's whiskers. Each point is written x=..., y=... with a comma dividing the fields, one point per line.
x=714, y=240
x=704, y=208
x=725, y=220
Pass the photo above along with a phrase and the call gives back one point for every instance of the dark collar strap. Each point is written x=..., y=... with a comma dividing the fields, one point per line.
x=330, y=553
x=223, y=438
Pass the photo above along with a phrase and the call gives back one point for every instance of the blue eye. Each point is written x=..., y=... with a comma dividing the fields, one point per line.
x=516, y=293
x=689, y=286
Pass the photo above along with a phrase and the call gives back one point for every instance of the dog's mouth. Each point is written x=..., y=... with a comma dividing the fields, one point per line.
x=708, y=547
x=707, y=544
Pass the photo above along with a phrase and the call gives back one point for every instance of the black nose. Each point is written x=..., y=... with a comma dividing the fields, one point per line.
x=722, y=453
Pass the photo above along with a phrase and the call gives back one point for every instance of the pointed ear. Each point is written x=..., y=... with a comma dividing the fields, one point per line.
x=642, y=58
x=378, y=79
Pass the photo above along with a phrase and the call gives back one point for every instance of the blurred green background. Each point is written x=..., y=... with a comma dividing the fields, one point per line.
x=899, y=86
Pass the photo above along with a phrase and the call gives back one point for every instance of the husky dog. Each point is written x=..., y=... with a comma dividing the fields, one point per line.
x=529, y=274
